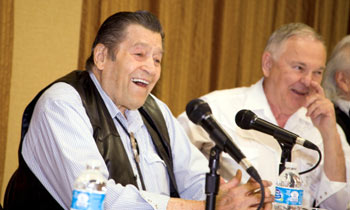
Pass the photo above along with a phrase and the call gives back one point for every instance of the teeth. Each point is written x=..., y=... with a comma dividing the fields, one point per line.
x=140, y=80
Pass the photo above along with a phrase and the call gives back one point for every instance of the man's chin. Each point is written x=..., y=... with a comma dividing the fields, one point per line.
x=138, y=104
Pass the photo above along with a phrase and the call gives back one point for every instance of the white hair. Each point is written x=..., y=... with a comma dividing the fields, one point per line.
x=282, y=34
x=338, y=61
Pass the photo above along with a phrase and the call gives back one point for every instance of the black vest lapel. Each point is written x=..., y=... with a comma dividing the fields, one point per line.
x=159, y=133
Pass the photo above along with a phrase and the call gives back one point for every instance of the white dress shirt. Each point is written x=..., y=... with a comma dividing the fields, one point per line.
x=60, y=141
x=263, y=151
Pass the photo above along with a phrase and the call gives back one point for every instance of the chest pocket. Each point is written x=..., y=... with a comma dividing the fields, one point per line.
x=154, y=161
x=156, y=167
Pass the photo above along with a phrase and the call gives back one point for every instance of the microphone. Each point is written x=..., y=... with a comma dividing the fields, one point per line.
x=200, y=113
x=247, y=119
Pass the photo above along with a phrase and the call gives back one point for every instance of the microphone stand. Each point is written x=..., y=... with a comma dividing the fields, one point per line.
x=286, y=155
x=286, y=147
x=212, y=179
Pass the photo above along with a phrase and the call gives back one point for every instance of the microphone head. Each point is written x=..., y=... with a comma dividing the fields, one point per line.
x=196, y=109
x=245, y=118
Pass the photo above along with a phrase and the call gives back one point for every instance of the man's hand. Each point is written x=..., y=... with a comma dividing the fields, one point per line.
x=321, y=111
x=233, y=196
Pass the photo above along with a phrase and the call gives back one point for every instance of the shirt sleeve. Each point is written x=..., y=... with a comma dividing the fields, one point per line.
x=58, y=145
x=130, y=198
x=335, y=195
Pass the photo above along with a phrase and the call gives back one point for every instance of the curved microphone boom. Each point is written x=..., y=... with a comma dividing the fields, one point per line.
x=246, y=119
x=200, y=113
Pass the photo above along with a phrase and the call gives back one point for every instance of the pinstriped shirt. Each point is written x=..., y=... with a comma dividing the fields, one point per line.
x=59, y=142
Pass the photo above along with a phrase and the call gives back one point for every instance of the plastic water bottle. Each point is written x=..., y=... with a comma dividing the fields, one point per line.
x=289, y=192
x=89, y=189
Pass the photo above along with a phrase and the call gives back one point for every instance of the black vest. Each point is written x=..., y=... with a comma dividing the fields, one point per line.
x=25, y=190
x=344, y=121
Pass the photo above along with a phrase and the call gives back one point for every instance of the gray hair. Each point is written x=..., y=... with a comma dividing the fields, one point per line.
x=277, y=39
x=338, y=61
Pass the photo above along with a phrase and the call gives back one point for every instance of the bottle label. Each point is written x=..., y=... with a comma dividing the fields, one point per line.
x=83, y=200
x=290, y=196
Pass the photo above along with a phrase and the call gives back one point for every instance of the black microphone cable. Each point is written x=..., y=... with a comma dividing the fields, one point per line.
x=262, y=189
x=315, y=166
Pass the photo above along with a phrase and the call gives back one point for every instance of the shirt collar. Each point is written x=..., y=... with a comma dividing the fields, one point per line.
x=262, y=108
x=133, y=120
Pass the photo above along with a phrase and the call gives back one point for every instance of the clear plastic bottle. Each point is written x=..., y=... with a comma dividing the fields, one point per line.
x=289, y=192
x=89, y=189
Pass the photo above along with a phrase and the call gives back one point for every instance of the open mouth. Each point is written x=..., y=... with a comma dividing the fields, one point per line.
x=140, y=82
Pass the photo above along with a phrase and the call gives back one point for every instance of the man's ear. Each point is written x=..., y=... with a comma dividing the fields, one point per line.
x=100, y=56
x=266, y=63
x=343, y=81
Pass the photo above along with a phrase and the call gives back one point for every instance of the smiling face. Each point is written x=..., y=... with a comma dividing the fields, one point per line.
x=130, y=77
x=288, y=76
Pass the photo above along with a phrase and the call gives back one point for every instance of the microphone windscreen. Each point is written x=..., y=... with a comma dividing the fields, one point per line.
x=196, y=109
x=245, y=118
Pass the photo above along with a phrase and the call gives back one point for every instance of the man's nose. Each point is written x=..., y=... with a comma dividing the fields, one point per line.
x=306, y=78
x=149, y=65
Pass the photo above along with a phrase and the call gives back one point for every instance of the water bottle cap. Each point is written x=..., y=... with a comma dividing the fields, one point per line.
x=291, y=165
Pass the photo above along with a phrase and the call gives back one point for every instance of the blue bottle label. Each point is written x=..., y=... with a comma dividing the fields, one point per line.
x=83, y=200
x=289, y=196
